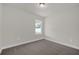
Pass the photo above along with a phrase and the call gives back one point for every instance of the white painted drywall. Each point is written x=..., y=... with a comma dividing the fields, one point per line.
x=63, y=25
x=0, y=25
x=18, y=26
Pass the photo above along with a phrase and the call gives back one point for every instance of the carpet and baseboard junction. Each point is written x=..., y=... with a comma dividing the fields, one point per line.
x=40, y=47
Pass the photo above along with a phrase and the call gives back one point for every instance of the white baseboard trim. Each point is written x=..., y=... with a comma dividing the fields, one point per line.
x=65, y=44
x=19, y=44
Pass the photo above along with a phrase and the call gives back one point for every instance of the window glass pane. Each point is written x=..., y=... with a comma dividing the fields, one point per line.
x=38, y=27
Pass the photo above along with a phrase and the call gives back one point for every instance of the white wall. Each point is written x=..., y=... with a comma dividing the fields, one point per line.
x=0, y=25
x=18, y=26
x=62, y=25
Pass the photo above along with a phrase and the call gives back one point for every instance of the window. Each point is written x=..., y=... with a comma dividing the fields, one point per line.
x=38, y=26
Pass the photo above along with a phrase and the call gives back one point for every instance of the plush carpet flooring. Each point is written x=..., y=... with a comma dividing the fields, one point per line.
x=41, y=47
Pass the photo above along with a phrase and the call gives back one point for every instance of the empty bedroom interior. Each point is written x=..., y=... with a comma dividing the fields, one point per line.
x=39, y=28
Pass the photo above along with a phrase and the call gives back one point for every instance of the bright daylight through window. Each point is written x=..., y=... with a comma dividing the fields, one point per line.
x=38, y=27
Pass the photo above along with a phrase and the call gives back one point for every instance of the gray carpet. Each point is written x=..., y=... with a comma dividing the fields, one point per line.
x=41, y=47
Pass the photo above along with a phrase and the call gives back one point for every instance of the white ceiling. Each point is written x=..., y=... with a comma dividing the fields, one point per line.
x=50, y=8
